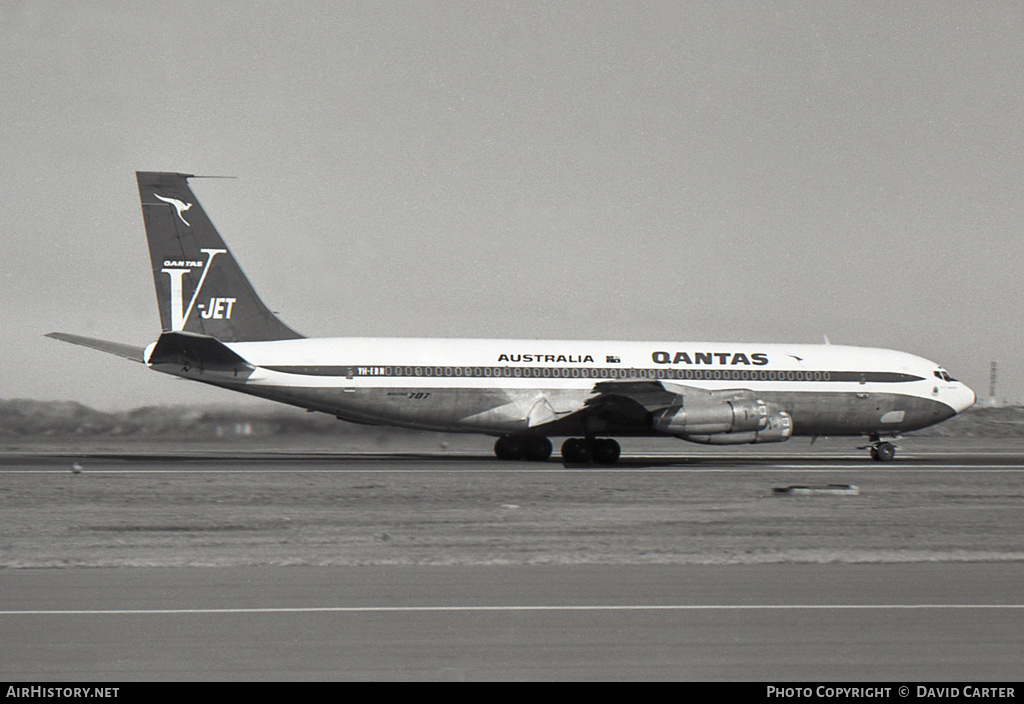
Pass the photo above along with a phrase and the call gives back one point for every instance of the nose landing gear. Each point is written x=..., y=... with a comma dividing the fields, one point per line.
x=881, y=451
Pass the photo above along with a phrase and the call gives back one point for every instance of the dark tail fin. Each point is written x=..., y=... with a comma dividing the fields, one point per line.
x=199, y=286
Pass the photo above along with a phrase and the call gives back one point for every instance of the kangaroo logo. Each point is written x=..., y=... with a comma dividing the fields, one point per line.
x=179, y=206
x=218, y=307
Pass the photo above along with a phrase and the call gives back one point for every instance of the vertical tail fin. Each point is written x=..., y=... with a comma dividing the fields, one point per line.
x=199, y=286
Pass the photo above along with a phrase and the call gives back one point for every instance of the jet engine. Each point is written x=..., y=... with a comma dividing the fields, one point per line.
x=778, y=428
x=724, y=418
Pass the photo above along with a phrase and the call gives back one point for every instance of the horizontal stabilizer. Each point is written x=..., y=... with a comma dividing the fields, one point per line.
x=136, y=354
x=203, y=351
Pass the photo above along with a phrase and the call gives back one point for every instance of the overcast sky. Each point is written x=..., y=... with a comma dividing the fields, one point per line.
x=735, y=171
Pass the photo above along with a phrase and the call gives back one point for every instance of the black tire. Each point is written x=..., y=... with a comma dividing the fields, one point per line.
x=576, y=451
x=886, y=451
x=606, y=451
x=537, y=449
x=508, y=447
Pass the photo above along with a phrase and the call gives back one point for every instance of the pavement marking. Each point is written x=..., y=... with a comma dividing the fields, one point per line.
x=907, y=468
x=523, y=608
x=787, y=468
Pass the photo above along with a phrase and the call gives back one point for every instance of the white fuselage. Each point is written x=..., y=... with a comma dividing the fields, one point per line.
x=505, y=386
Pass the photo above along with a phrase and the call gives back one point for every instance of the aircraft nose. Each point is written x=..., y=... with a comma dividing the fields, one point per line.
x=963, y=398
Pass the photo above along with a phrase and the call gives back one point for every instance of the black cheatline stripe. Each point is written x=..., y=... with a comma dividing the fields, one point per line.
x=598, y=373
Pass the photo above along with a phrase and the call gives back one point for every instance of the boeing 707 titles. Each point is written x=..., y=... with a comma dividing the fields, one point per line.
x=216, y=330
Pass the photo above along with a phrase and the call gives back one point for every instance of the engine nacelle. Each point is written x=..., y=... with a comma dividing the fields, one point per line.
x=713, y=414
x=779, y=428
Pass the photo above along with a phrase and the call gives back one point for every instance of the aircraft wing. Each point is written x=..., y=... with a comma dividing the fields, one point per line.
x=656, y=396
x=136, y=354
x=649, y=395
x=613, y=407
x=673, y=409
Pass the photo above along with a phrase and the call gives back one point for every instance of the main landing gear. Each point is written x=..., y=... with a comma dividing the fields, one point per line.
x=582, y=450
x=574, y=450
x=522, y=447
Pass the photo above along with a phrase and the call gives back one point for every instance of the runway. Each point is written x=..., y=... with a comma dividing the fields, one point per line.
x=771, y=623
x=274, y=566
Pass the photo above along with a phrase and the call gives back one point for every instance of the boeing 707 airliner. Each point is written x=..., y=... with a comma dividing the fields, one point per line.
x=215, y=329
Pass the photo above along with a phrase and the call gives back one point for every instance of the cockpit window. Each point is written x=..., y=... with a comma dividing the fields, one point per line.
x=944, y=376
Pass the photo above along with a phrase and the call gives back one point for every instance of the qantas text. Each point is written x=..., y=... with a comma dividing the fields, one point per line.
x=758, y=359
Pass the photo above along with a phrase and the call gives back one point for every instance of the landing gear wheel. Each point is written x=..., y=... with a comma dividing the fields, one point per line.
x=883, y=452
x=522, y=447
x=576, y=451
x=583, y=450
x=537, y=449
x=509, y=447
x=606, y=451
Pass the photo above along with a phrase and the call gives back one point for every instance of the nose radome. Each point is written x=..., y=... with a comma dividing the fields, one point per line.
x=963, y=398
